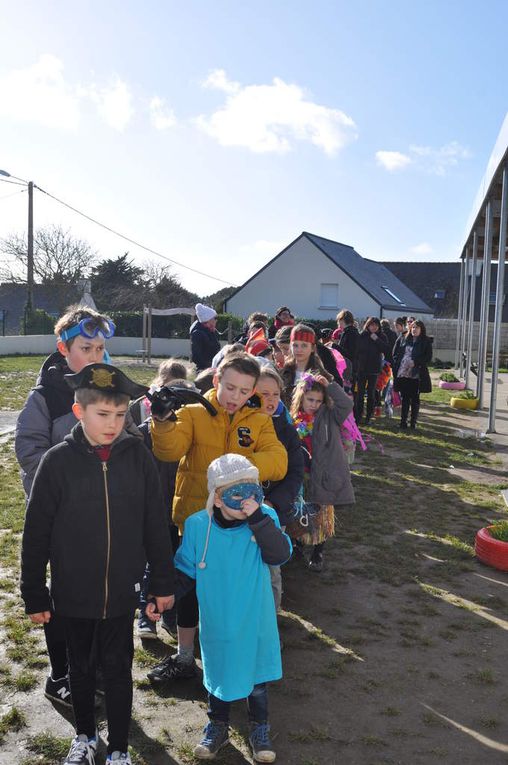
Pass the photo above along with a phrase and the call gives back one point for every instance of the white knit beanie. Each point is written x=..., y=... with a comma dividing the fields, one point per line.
x=229, y=469
x=204, y=312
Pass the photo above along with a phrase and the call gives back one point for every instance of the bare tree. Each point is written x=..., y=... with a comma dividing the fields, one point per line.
x=59, y=258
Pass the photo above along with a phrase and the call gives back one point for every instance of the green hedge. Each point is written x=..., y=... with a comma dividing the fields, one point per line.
x=130, y=324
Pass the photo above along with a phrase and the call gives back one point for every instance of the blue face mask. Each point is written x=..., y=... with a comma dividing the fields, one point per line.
x=233, y=496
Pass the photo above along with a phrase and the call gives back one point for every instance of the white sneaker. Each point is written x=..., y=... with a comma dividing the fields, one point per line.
x=119, y=757
x=82, y=751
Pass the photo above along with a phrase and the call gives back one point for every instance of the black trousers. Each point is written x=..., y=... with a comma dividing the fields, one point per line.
x=108, y=642
x=54, y=632
x=409, y=390
x=365, y=382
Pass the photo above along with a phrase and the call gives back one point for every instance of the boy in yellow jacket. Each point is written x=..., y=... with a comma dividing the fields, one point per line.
x=197, y=438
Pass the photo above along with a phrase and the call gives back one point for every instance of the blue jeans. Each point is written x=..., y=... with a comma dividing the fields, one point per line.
x=257, y=706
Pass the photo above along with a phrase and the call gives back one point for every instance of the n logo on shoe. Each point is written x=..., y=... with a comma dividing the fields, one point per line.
x=63, y=692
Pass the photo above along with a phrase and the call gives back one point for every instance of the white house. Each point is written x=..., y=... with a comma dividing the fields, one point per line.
x=316, y=277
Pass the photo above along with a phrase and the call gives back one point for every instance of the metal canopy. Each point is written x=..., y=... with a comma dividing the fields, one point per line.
x=484, y=242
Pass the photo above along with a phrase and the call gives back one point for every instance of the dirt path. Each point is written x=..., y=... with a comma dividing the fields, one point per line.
x=395, y=654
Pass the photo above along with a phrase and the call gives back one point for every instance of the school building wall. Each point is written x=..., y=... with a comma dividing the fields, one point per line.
x=294, y=279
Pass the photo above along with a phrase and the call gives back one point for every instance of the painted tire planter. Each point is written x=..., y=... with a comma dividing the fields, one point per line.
x=459, y=385
x=464, y=403
x=491, y=551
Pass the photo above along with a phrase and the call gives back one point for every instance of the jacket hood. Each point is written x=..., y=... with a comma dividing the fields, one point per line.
x=52, y=372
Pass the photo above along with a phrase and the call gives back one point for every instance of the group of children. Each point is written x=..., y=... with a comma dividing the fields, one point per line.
x=265, y=454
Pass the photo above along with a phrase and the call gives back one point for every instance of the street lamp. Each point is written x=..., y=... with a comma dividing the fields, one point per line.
x=30, y=242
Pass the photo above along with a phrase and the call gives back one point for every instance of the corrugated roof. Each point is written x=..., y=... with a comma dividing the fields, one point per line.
x=371, y=276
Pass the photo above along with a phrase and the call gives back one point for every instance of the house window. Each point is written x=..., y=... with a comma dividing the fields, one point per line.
x=393, y=295
x=440, y=294
x=329, y=296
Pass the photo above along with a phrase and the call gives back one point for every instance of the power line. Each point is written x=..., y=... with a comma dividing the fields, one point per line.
x=15, y=183
x=132, y=241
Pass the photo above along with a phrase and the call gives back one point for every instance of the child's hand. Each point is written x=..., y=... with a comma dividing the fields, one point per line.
x=41, y=618
x=322, y=380
x=155, y=609
x=249, y=506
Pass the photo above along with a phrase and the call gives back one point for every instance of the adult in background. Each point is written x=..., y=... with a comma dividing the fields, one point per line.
x=400, y=325
x=204, y=337
x=283, y=318
x=411, y=355
x=347, y=344
x=391, y=337
x=372, y=345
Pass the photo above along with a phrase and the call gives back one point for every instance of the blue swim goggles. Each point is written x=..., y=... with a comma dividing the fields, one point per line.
x=90, y=327
x=233, y=496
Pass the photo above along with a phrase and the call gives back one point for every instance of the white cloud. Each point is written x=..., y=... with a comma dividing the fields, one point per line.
x=424, y=248
x=218, y=80
x=437, y=161
x=161, y=117
x=424, y=158
x=392, y=160
x=39, y=93
x=114, y=103
x=272, y=118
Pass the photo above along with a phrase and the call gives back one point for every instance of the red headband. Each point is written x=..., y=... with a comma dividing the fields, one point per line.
x=305, y=335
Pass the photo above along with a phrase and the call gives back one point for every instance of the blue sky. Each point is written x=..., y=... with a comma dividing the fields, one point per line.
x=215, y=132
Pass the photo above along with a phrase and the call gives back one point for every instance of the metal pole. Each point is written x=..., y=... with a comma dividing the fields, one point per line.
x=30, y=250
x=149, y=336
x=499, y=302
x=459, y=312
x=463, y=313
x=484, y=311
x=143, y=341
x=472, y=295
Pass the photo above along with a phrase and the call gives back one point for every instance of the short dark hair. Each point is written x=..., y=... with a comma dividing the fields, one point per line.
x=240, y=362
x=258, y=316
x=87, y=396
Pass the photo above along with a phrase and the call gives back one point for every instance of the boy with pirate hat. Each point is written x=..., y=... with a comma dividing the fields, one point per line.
x=97, y=515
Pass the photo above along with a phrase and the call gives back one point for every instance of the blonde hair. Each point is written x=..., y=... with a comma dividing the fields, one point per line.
x=169, y=370
x=268, y=373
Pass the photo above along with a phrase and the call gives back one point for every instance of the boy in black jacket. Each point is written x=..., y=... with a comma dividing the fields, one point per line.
x=96, y=514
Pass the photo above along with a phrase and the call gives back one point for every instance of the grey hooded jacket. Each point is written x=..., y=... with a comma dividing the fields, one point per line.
x=47, y=418
x=330, y=478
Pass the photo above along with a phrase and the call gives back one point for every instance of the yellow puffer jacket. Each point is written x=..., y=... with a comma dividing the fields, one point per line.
x=197, y=438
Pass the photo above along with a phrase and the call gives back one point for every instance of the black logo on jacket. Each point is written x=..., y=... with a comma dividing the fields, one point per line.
x=244, y=438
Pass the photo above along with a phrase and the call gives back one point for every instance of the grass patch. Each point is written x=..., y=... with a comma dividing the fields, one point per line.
x=50, y=747
x=13, y=721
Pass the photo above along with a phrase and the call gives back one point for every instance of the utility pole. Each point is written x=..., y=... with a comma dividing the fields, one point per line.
x=30, y=251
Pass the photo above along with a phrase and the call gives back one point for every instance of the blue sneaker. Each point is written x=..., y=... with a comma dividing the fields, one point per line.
x=146, y=628
x=216, y=735
x=262, y=749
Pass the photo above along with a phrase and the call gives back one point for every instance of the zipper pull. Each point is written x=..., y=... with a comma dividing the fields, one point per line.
x=104, y=467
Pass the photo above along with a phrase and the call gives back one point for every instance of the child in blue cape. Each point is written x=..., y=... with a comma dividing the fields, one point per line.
x=228, y=548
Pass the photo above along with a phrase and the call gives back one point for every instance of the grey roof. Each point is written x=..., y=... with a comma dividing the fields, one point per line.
x=371, y=276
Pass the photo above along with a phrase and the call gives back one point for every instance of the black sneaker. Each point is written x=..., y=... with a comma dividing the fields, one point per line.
x=59, y=691
x=82, y=751
x=172, y=669
x=259, y=739
x=216, y=735
x=316, y=563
